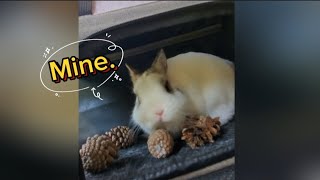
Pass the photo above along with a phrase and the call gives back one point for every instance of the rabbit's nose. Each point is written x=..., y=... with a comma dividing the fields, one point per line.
x=159, y=113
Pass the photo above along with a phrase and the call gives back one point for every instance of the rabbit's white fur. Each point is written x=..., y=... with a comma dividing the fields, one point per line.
x=203, y=84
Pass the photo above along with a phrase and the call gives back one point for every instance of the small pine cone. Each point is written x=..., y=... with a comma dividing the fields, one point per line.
x=122, y=136
x=160, y=143
x=97, y=153
x=200, y=130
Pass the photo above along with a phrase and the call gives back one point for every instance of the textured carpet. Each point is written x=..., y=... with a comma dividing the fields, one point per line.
x=137, y=163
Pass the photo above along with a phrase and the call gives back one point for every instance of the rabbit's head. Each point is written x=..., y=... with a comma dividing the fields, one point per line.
x=157, y=104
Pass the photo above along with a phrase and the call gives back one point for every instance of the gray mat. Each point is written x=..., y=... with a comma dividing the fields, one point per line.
x=137, y=163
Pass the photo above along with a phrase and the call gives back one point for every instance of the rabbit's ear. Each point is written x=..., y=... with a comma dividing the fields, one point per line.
x=160, y=63
x=133, y=73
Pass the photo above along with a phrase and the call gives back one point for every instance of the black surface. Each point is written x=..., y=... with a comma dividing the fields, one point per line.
x=136, y=162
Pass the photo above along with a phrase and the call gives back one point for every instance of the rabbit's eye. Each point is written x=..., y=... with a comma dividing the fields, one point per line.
x=168, y=87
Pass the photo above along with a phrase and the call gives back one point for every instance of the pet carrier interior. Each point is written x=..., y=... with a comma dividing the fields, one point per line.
x=208, y=28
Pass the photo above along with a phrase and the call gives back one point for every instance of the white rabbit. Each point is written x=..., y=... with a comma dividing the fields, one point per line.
x=188, y=84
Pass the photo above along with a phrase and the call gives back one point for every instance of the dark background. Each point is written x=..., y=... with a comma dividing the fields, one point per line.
x=277, y=89
x=277, y=92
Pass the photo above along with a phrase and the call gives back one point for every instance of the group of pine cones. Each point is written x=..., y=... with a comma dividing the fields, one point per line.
x=100, y=150
x=197, y=131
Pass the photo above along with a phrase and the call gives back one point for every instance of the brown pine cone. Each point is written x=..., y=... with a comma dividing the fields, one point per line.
x=160, y=143
x=97, y=153
x=199, y=130
x=122, y=136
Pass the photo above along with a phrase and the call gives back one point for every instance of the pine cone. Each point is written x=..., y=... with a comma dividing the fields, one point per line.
x=200, y=130
x=122, y=136
x=160, y=143
x=97, y=153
